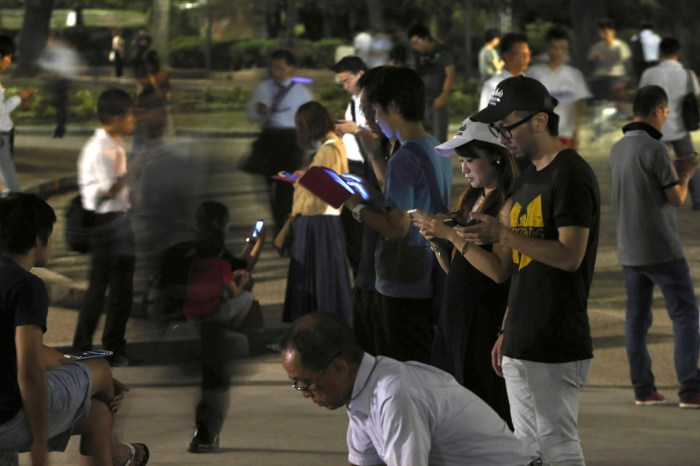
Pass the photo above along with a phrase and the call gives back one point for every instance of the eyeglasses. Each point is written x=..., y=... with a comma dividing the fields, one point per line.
x=307, y=386
x=505, y=130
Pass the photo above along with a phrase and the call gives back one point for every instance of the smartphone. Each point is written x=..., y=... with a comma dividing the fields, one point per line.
x=256, y=231
x=413, y=213
x=285, y=176
x=450, y=222
x=80, y=355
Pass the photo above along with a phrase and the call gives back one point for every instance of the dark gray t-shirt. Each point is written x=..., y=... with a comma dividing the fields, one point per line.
x=640, y=171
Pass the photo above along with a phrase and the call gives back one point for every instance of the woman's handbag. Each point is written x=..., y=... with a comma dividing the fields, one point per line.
x=285, y=238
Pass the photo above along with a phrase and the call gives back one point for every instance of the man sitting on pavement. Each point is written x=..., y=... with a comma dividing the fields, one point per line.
x=45, y=397
x=646, y=191
x=399, y=413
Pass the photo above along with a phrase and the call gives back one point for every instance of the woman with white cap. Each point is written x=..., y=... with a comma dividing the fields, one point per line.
x=476, y=289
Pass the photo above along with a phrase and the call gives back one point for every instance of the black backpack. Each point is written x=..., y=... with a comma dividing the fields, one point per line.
x=78, y=223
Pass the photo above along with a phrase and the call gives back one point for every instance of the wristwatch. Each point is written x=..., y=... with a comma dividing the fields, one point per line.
x=356, y=212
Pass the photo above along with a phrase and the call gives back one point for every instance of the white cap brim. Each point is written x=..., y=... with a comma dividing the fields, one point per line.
x=468, y=131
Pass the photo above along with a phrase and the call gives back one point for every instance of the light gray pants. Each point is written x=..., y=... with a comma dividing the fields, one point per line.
x=544, y=407
x=7, y=166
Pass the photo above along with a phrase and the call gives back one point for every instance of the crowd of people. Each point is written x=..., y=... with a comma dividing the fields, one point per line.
x=452, y=335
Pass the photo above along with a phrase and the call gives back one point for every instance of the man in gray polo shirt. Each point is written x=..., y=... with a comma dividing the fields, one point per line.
x=646, y=190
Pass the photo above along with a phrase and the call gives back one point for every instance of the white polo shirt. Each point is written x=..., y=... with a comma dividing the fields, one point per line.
x=568, y=85
x=101, y=162
x=414, y=414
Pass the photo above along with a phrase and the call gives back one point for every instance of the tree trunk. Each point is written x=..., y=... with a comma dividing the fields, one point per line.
x=32, y=38
x=160, y=25
x=585, y=15
x=374, y=13
x=467, y=13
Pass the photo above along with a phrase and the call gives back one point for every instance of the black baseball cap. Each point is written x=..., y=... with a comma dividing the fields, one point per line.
x=518, y=93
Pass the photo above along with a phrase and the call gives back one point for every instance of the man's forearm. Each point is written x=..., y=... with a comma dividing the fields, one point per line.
x=33, y=388
x=565, y=253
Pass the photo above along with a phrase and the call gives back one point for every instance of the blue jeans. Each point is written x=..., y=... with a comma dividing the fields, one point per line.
x=682, y=147
x=674, y=280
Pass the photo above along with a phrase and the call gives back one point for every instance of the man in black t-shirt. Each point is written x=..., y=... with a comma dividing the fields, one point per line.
x=544, y=348
x=44, y=397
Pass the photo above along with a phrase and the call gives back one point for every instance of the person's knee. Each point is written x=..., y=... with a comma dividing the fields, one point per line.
x=101, y=376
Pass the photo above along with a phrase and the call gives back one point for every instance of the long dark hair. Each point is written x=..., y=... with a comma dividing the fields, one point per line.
x=313, y=122
x=507, y=169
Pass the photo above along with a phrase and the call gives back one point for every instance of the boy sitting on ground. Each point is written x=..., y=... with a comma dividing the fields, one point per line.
x=44, y=397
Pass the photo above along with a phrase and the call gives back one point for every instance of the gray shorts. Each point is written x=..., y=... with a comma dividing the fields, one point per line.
x=70, y=389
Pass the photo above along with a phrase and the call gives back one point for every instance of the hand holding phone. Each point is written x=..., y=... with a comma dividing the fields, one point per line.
x=686, y=164
x=81, y=355
x=257, y=229
x=413, y=213
x=451, y=222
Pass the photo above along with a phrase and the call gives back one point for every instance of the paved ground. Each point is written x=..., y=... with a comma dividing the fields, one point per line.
x=269, y=423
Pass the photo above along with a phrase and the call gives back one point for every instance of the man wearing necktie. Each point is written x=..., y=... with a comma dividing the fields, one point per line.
x=273, y=105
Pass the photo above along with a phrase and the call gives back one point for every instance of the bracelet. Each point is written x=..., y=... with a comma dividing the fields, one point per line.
x=500, y=332
x=464, y=247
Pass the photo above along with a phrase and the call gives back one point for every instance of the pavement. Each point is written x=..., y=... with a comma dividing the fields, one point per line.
x=268, y=422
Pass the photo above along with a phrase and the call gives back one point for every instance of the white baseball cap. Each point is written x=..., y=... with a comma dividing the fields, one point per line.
x=468, y=131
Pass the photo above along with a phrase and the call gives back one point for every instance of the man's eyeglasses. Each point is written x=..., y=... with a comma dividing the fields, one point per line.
x=306, y=387
x=505, y=130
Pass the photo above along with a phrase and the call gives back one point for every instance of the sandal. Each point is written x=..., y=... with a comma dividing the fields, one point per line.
x=132, y=454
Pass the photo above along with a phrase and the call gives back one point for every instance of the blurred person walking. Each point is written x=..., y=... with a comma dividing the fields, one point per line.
x=490, y=62
x=476, y=289
x=677, y=82
x=7, y=128
x=515, y=52
x=565, y=83
x=116, y=55
x=273, y=105
x=645, y=48
x=61, y=61
x=318, y=278
x=609, y=58
x=436, y=68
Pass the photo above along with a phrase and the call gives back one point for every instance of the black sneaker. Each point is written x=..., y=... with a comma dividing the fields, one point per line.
x=203, y=442
x=122, y=359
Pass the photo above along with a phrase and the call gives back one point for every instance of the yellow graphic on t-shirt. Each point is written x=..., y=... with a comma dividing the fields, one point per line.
x=528, y=223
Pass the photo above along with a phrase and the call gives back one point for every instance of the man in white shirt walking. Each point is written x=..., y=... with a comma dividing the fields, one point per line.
x=670, y=75
x=565, y=83
x=7, y=167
